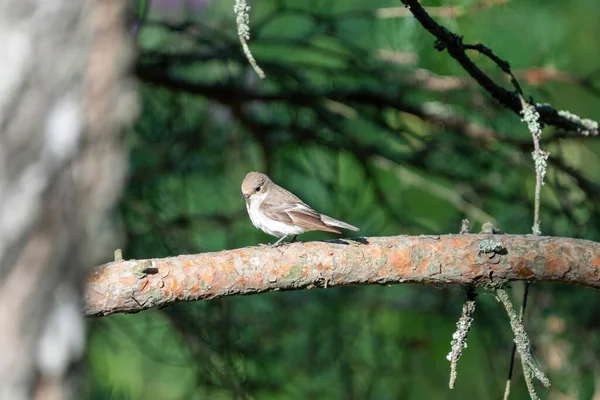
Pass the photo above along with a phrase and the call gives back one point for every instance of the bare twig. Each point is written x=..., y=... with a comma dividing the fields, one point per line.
x=447, y=40
x=242, y=9
x=464, y=226
x=440, y=11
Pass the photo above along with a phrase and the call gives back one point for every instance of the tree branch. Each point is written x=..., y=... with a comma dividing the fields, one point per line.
x=483, y=260
x=456, y=48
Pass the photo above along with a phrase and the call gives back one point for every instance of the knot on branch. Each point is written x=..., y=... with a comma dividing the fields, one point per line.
x=439, y=45
x=141, y=270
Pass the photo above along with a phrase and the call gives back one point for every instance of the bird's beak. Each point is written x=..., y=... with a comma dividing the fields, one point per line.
x=245, y=196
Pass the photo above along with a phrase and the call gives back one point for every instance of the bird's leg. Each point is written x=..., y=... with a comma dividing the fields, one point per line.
x=293, y=239
x=277, y=243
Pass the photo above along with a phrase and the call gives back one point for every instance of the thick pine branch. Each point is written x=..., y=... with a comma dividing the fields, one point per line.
x=485, y=259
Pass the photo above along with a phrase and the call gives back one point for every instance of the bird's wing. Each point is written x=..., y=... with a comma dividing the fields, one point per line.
x=298, y=214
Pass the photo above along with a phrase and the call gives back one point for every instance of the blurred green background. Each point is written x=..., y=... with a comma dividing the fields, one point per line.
x=366, y=122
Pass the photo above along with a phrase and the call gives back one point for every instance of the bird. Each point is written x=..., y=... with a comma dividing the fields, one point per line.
x=280, y=213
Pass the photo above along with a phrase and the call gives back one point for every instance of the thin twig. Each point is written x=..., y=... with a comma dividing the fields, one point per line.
x=530, y=367
x=465, y=226
x=447, y=40
x=440, y=11
x=459, y=338
x=531, y=117
x=242, y=10
x=514, y=348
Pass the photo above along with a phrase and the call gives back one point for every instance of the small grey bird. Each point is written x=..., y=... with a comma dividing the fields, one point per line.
x=278, y=212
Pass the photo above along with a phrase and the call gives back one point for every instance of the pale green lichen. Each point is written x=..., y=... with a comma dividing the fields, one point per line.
x=521, y=339
x=536, y=230
x=488, y=227
x=588, y=124
x=487, y=246
x=459, y=338
x=380, y=262
x=531, y=117
x=242, y=20
x=464, y=226
x=295, y=272
x=540, y=158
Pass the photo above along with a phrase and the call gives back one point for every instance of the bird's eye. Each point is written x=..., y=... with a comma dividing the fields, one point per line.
x=257, y=189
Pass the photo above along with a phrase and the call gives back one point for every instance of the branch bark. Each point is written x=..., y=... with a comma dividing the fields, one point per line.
x=136, y=285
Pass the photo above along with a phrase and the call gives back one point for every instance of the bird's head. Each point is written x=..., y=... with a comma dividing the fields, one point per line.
x=254, y=184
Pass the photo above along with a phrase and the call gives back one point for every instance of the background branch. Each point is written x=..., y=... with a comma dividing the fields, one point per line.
x=454, y=44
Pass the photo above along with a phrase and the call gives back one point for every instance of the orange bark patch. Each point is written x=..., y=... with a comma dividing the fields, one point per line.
x=207, y=276
x=284, y=270
x=476, y=270
x=320, y=267
x=557, y=265
x=97, y=274
x=458, y=243
x=596, y=261
x=195, y=287
x=128, y=281
x=522, y=269
x=174, y=285
x=399, y=260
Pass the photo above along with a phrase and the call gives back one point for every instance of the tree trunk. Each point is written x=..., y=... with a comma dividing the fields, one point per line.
x=61, y=170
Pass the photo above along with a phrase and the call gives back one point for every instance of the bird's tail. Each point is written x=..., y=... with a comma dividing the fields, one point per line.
x=339, y=224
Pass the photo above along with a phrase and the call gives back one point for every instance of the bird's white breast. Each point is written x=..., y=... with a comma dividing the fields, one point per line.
x=266, y=224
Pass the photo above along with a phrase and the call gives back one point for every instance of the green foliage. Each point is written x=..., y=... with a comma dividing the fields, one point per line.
x=360, y=139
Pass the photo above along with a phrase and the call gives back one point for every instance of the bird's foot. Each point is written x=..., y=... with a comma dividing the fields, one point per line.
x=281, y=242
x=278, y=244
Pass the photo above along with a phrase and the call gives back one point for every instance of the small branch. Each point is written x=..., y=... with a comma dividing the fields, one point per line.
x=459, y=338
x=530, y=367
x=464, y=227
x=431, y=260
x=540, y=157
x=440, y=11
x=531, y=117
x=503, y=65
x=514, y=348
x=242, y=10
x=456, y=49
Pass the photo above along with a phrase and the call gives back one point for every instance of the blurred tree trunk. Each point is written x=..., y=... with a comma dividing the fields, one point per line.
x=62, y=101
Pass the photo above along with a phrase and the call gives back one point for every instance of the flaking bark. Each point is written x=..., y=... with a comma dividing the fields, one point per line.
x=121, y=286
